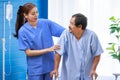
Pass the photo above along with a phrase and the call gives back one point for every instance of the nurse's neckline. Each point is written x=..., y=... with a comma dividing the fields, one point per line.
x=34, y=25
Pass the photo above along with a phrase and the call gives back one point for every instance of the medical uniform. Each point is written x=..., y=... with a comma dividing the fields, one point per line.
x=37, y=39
x=77, y=55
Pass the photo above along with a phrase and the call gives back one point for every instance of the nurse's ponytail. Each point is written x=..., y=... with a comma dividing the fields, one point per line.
x=19, y=21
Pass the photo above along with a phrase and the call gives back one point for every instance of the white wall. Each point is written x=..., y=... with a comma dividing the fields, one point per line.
x=98, y=13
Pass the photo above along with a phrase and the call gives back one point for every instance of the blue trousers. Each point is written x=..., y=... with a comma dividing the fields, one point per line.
x=45, y=76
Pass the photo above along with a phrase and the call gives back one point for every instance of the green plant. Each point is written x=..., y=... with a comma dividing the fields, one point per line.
x=114, y=47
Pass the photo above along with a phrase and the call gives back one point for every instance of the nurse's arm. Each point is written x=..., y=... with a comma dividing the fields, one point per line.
x=30, y=52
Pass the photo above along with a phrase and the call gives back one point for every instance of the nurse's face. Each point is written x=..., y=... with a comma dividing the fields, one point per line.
x=32, y=16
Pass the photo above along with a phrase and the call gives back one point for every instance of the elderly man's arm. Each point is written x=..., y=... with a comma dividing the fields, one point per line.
x=94, y=66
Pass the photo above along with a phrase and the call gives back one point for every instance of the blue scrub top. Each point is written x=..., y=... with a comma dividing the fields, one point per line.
x=36, y=39
x=77, y=55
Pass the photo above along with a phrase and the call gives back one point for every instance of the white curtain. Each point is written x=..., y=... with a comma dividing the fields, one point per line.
x=98, y=13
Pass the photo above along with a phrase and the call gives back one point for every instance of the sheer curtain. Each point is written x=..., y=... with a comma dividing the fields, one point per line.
x=98, y=13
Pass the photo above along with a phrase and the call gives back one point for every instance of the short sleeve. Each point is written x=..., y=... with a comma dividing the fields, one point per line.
x=62, y=42
x=55, y=28
x=22, y=42
x=95, y=45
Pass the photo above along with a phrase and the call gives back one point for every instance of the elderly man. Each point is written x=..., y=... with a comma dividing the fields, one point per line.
x=80, y=49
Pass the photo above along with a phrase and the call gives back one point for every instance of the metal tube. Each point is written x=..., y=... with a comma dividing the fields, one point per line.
x=3, y=44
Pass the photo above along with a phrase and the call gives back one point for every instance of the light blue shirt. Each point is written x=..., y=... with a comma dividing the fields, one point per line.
x=36, y=39
x=78, y=55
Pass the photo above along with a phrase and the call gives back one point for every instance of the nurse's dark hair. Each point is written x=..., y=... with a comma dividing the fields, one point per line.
x=20, y=20
x=80, y=19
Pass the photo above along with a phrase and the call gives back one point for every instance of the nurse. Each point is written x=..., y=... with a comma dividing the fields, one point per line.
x=35, y=39
x=80, y=51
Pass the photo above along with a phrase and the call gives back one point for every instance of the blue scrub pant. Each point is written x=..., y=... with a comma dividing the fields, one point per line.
x=45, y=76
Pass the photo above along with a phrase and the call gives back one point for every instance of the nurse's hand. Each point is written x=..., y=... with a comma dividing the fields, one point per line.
x=53, y=48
